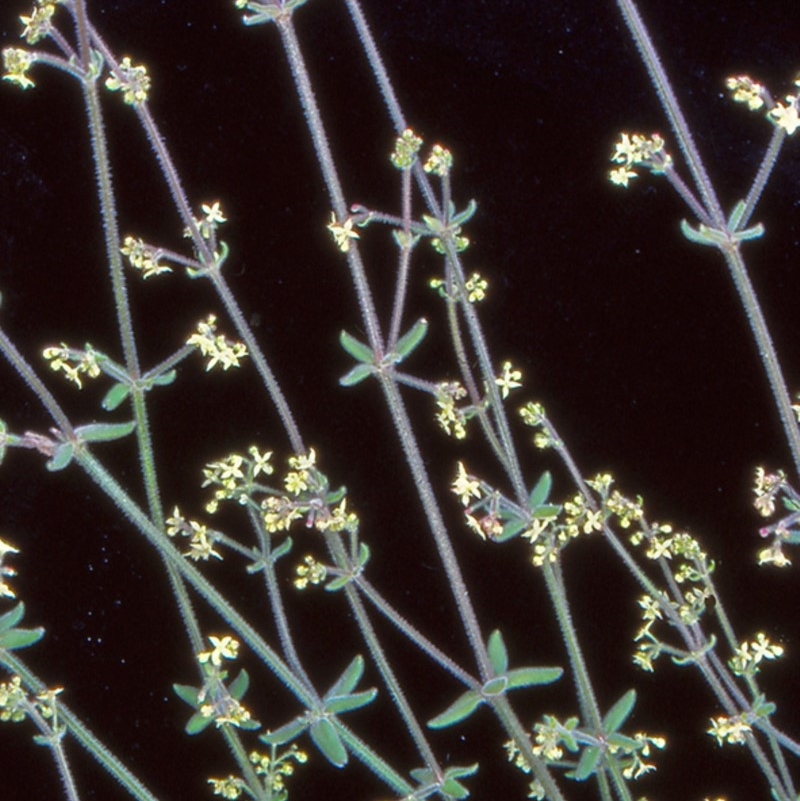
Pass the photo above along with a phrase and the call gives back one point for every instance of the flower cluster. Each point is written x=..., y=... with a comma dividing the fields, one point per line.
x=769, y=488
x=201, y=538
x=132, y=81
x=476, y=286
x=533, y=415
x=451, y=417
x=73, y=363
x=215, y=699
x=637, y=150
x=405, y=151
x=16, y=63
x=310, y=572
x=217, y=347
x=275, y=769
x=440, y=161
x=6, y=571
x=16, y=705
x=745, y=90
x=733, y=730
x=39, y=24
x=305, y=492
x=143, y=257
x=748, y=655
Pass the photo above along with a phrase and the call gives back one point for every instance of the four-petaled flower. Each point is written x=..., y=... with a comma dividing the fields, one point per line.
x=786, y=117
x=465, y=485
x=342, y=232
x=510, y=379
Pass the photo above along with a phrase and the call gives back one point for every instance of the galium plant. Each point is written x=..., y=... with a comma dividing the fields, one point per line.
x=309, y=644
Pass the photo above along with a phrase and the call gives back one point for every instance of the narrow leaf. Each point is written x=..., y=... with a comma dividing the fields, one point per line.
x=347, y=682
x=618, y=713
x=459, y=710
x=165, y=379
x=327, y=739
x=409, y=341
x=494, y=687
x=498, y=655
x=115, y=396
x=466, y=215
x=736, y=215
x=356, y=375
x=104, y=432
x=336, y=584
x=187, y=694
x=286, y=733
x=62, y=456
x=541, y=492
x=281, y=550
x=197, y=723
x=587, y=764
x=3, y=430
x=532, y=676
x=11, y=618
x=347, y=703
x=238, y=687
x=358, y=350
x=511, y=530
x=20, y=638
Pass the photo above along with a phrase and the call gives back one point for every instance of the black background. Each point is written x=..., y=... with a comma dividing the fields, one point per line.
x=632, y=337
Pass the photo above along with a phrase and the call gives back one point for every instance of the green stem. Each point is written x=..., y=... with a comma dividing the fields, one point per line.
x=82, y=734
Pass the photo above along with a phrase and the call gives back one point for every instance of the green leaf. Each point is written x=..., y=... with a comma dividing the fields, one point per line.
x=511, y=530
x=409, y=341
x=104, y=432
x=753, y=232
x=618, y=713
x=3, y=431
x=327, y=739
x=541, y=492
x=164, y=379
x=358, y=350
x=286, y=733
x=336, y=584
x=356, y=375
x=736, y=215
x=498, y=655
x=11, y=618
x=587, y=764
x=115, y=396
x=187, y=694
x=20, y=638
x=459, y=710
x=494, y=687
x=197, y=723
x=346, y=703
x=703, y=235
x=546, y=510
x=347, y=682
x=451, y=786
x=62, y=456
x=464, y=216
x=238, y=687
x=281, y=550
x=533, y=676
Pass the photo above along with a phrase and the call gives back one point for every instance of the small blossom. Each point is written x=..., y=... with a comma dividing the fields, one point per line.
x=729, y=730
x=39, y=24
x=786, y=117
x=342, y=232
x=16, y=63
x=451, y=418
x=476, y=288
x=465, y=486
x=747, y=91
x=218, y=348
x=229, y=788
x=440, y=161
x=510, y=379
x=310, y=572
x=405, y=151
x=134, y=82
x=5, y=570
x=774, y=555
x=222, y=648
x=637, y=150
x=143, y=257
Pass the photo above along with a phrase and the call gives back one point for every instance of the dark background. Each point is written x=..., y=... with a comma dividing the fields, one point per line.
x=632, y=337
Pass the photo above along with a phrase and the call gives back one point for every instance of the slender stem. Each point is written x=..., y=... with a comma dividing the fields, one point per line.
x=766, y=350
